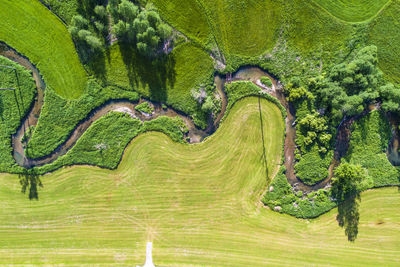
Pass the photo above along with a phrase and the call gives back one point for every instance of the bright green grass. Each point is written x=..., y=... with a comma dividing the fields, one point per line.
x=246, y=28
x=188, y=17
x=312, y=31
x=352, y=10
x=385, y=34
x=199, y=204
x=30, y=28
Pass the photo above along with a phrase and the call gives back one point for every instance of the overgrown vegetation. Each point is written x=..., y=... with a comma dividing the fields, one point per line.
x=14, y=105
x=60, y=116
x=282, y=198
x=167, y=81
x=106, y=139
x=369, y=141
x=145, y=107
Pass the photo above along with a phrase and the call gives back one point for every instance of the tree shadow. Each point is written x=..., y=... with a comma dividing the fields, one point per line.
x=155, y=74
x=348, y=216
x=30, y=181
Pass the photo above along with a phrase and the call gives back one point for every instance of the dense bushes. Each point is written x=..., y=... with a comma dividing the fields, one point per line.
x=14, y=105
x=368, y=144
x=313, y=166
x=281, y=197
x=104, y=142
x=59, y=116
x=145, y=107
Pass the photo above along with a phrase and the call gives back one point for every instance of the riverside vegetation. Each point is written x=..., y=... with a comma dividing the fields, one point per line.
x=335, y=64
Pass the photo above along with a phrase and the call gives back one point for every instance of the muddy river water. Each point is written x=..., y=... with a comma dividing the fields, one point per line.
x=194, y=135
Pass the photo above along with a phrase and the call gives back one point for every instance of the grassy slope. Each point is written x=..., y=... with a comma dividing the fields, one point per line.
x=196, y=202
x=352, y=10
x=385, y=34
x=35, y=32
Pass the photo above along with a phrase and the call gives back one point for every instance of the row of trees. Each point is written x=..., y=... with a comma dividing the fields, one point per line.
x=142, y=28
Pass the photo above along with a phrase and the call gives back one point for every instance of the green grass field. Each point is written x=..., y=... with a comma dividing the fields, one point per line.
x=199, y=204
x=188, y=17
x=31, y=29
x=353, y=10
x=385, y=34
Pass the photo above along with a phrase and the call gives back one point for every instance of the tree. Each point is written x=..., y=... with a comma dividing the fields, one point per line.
x=348, y=181
x=142, y=28
x=351, y=85
x=390, y=97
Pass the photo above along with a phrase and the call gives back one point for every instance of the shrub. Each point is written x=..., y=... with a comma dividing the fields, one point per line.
x=145, y=107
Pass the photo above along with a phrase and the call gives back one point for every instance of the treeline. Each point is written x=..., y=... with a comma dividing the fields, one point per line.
x=99, y=22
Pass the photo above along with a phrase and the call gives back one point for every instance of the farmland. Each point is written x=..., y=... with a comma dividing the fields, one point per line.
x=228, y=132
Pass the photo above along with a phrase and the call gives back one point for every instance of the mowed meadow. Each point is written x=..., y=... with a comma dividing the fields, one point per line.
x=199, y=204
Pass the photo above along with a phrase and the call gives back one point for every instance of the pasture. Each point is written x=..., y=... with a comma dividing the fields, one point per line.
x=353, y=10
x=31, y=29
x=199, y=204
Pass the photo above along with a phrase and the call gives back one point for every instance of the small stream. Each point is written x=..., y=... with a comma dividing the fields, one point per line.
x=194, y=135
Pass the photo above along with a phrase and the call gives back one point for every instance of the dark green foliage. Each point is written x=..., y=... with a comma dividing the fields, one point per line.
x=266, y=81
x=104, y=142
x=59, y=116
x=86, y=42
x=349, y=180
x=390, y=97
x=350, y=86
x=141, y=27
x=65, y=9
x=368, y=144
x=14, y=105
x=313, y=166
x=312, y=129
x=145, y=107
x=294, y=203
x=206, y=98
